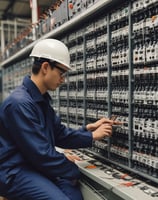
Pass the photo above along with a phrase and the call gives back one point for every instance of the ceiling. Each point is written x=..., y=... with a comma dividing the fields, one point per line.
x=16, y=15
x=13, y=9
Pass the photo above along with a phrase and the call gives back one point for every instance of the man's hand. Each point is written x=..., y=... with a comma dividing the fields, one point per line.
x=70, y=156
x=105, y=130
x=97, y=124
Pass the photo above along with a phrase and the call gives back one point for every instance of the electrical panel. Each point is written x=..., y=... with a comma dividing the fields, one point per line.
x=13, y=75
x=114, y=60
x=145, y=138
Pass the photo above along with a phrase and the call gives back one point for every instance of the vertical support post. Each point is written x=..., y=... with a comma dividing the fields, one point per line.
x=85, y=80
x=109, y=65
x=109, y=74
x=2, y=37
x=15, y=29
x=130, y=82
x=33, y=5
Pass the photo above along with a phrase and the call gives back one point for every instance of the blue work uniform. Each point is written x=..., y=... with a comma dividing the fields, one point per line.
x=30, y=166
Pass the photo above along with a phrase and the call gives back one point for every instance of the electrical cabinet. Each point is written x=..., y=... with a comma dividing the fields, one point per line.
x=114, y=57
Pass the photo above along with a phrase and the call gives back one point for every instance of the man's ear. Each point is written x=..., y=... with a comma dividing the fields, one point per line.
x=44, y=67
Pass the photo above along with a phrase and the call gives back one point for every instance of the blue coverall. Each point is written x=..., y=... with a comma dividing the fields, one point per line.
x=30, y=166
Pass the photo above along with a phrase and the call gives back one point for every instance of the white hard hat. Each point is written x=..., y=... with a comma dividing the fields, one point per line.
x=53, y=50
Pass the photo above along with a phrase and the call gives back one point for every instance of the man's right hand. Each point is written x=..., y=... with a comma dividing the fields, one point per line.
x=105, y=130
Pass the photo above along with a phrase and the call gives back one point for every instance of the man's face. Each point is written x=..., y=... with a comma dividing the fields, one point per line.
x=53, y=78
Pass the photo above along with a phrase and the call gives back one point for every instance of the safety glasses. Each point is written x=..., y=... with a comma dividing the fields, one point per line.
x=63, y=72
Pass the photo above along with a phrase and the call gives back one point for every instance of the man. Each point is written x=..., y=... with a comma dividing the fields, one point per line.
x=30, y=166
